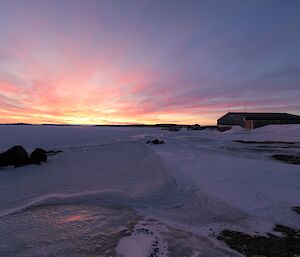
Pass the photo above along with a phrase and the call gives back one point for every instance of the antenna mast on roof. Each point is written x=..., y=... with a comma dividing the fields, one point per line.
x=245, y=106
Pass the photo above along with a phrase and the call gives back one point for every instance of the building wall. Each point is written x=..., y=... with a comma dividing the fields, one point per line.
x=231, y=119
x=261, y=123
x=248, y=124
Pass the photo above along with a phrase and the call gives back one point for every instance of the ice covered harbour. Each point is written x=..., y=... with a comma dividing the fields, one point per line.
x=108, y=182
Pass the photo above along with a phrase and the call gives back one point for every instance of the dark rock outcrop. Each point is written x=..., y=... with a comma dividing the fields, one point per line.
x=265, y=142
x=16, y=156
x=155, y=142
x=270, y=245
x=53, y=152
x=173, y=128
x=195, y=127
x=38, y=155
x=296, y=209
x=287, y=158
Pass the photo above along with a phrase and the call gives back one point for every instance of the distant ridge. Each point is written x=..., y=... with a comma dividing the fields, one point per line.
x=18, y=124
x=160, y=125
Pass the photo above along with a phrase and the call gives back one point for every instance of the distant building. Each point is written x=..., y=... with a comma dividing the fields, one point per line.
x=251, y=120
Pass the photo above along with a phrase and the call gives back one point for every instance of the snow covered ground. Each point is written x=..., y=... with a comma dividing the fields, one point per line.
x=111, y=194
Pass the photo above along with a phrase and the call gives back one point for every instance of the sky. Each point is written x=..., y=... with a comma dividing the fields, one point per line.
x=138, y=61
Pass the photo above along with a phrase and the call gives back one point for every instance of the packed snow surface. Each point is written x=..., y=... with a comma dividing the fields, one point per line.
x=111, y=194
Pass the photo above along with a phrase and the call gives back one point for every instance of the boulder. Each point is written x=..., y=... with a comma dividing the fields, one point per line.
x=16, y=156
x=38, y=155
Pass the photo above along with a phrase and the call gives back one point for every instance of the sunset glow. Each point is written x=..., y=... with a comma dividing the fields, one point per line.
x=94, y=62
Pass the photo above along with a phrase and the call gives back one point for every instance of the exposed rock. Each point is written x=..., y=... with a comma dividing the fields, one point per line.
x=287, y=158
x=265, y=142
x=53, y=152
x=195, y=127
x=16, y=156
x=296, y=209
x=173, y=128
x=38, y=155
x=287, y=245
x=155, y=142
